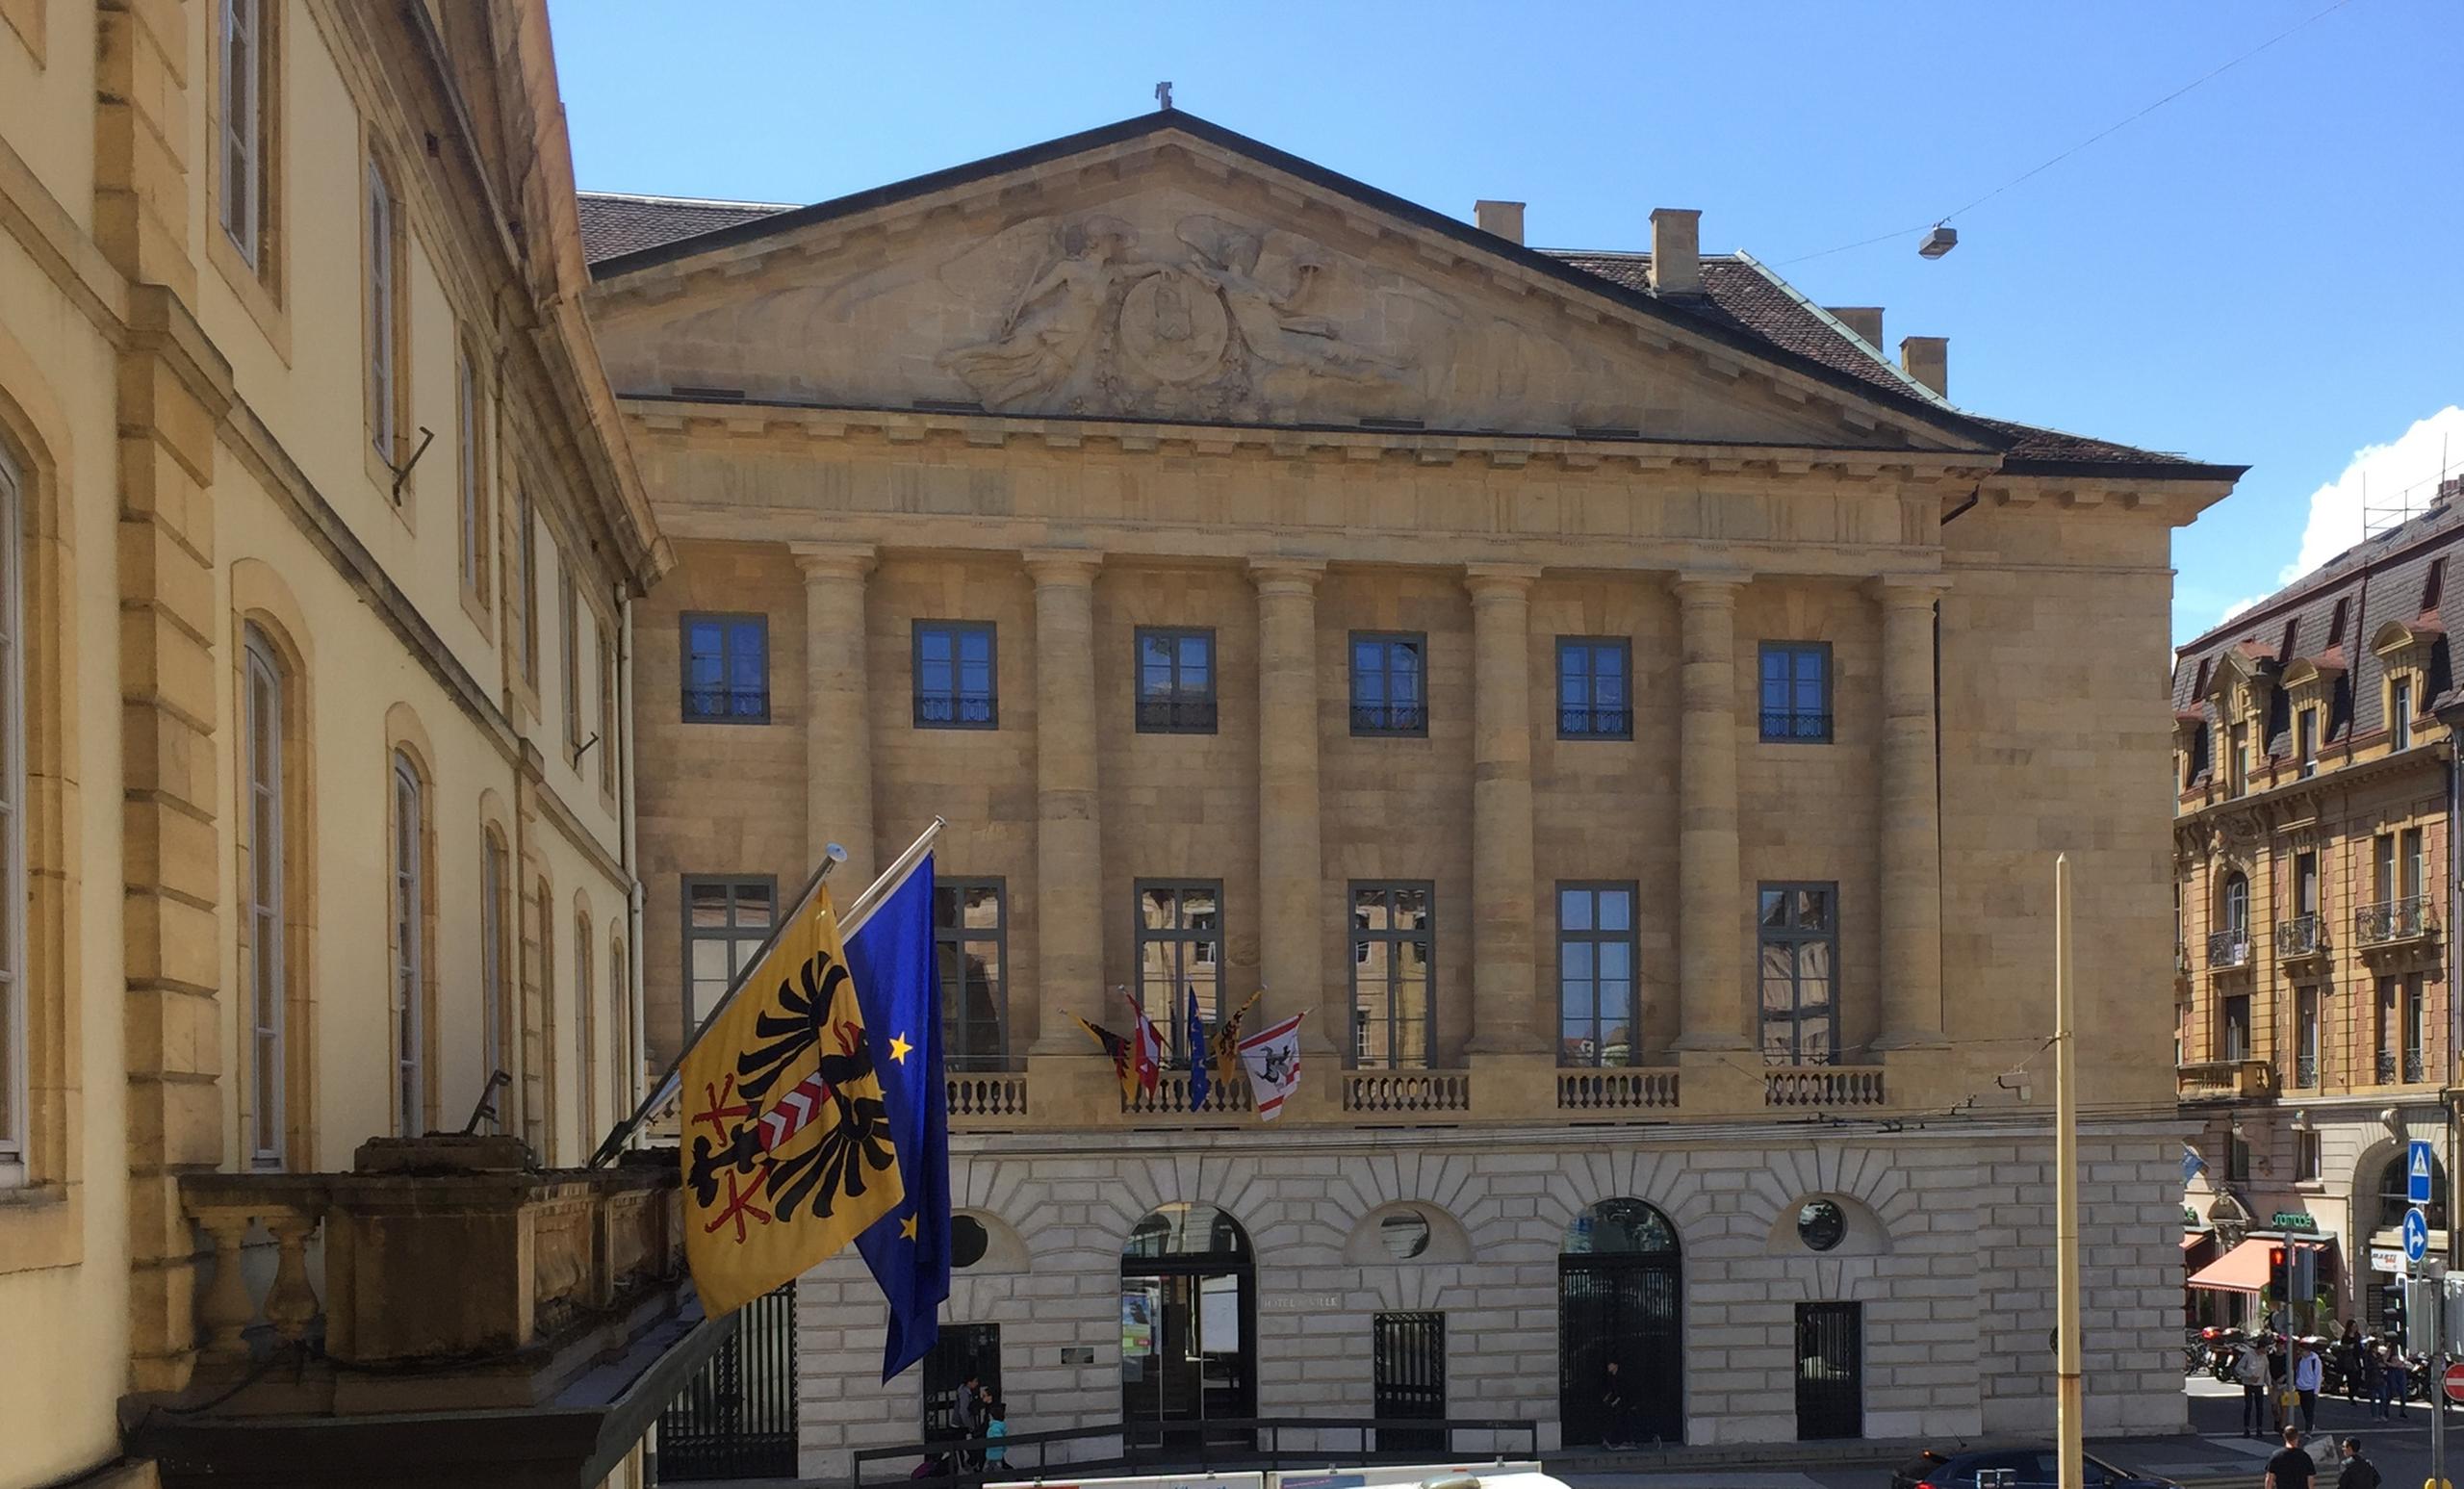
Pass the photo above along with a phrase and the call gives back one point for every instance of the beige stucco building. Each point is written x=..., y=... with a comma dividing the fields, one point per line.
x=2314, y=876
x=1630, y=717
x=319, y=541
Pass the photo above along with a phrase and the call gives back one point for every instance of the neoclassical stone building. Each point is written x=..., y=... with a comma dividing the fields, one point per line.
x=1629, y=715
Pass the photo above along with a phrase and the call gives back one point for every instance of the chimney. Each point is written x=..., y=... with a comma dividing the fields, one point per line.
x=1928, y=360
x=1503, y=219
x=1676, y=250
x=1867, y=321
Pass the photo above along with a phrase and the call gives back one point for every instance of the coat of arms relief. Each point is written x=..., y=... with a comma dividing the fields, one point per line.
x=1224, y=322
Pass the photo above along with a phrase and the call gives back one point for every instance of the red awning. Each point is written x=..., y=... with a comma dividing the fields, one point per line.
x=2192, y=1239
x=2242, y=1270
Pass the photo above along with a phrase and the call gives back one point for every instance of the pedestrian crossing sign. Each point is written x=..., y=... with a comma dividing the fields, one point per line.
x=2417, y=1172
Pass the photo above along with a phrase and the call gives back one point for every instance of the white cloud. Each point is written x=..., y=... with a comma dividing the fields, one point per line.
x=2238, y=606
x=2404, y=473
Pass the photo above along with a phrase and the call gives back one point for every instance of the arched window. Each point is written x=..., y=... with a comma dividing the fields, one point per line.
x=539, y=1031
x=14, y=1055
x=620, y=1000
x=585, y=1032
x=493, y=1034
x=2236, y=903
x=410, y=948
x=1620, y=1227
x=262, y=822
x=2394, y=1185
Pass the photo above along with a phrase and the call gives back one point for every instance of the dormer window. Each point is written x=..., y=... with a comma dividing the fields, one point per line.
x=2336, y=625
x=2199, y=689
x=2305, y=741
x=2292, y=635
x=2430, y=585
x=2240, y=782
x=2400, y=711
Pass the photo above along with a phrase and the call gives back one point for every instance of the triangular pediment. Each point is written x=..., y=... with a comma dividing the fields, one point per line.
x=1176, y=273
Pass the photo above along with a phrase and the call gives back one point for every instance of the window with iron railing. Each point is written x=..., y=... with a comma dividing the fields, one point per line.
x=2233, y=1035
x=957, y=674
x=2297, y=937
x=1175, y=682
x=1796, y=692
x=1594, y=700
x=2305, y=1024
x=726, y=669
x=1389, y=683
x=2392, y=920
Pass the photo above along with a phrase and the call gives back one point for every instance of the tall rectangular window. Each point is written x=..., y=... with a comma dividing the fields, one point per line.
x=1796, y=692
x=1394, y=956
x=2240, y=782
x=2305, y=1156
x=525, y=579
x=2382, y=865
x=1175, y=680
x=14, y=1053
x=493, y=1001
x=2305, y=741
x=1180, y=952
x=2412, y=866
x=1389, y=683
x=569, y=633
x=971, y=942
x=470, y=475
x=2306, y=1026
x=384, y=284
x=1594, y=696
x=1798, y=927
x=586, y=1033
x=267, y=921
x=2413, y=1049
x=242, y=78
x=726, y=669
x=2390, y=1030
x=2305, y=884
x=604, y=630
x=2233, y=1035
x=1595, y=1010
x=958, y=674
x=2399, y=713
x=726, y=920
x=410, y=950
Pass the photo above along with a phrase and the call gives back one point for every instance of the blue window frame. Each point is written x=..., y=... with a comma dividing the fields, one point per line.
x=1175, y=682
x=957, y=676
x=1389, y=683
x=726, y=669
x=1796, y=692
x=1595, y=693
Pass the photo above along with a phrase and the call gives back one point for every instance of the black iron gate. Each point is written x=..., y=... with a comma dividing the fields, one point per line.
x=737, y=1418
x=1831, y=1357
x=965, y=1353
x=1626, y=1309
x=1409, y=1379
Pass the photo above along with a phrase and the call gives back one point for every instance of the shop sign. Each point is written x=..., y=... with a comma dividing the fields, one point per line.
x=2295, y=1219
x=2387, y=1259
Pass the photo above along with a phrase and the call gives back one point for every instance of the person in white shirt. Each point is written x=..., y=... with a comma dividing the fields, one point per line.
x=2309, y=1373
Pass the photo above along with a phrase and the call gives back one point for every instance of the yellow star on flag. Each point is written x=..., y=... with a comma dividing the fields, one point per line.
x=906, y=1228
x=899, y=1047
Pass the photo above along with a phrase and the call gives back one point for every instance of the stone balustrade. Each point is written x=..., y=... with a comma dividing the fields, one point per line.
x=1823, y=1088
x=1406, y=1093
x=999, y=1097
x=1171, y=1098
x=1609, y=1090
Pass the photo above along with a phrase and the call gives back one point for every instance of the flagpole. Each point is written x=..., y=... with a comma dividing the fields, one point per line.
x=859, y=912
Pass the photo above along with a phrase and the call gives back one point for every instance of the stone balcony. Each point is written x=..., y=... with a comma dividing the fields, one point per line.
x=2224, y=1080
x=441, y=1311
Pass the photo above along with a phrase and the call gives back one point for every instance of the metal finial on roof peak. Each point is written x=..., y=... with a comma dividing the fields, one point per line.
x=1164, y=95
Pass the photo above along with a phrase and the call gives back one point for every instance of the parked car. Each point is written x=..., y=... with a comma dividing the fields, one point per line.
x=2029, y=1468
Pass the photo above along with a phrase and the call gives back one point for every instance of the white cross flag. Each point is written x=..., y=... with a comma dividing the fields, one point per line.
x=1272, y=1058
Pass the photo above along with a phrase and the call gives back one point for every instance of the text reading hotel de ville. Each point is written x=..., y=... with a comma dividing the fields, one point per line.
x=1626, y=711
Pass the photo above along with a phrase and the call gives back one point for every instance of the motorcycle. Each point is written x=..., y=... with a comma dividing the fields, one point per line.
x=2217, y=1350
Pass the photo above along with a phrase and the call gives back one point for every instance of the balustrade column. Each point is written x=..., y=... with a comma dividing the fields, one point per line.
x=838, y=749
x=1291, y=876
x=1068, y=816
x=1713, y=987
x=1911, y=823
x=1504, y=1017
x=226, y=1310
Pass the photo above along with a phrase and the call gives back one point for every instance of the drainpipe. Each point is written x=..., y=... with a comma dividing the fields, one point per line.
x=2454, y=1005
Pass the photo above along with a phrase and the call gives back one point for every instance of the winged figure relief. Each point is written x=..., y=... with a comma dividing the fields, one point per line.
x=1060, y=313
x=1268, y=280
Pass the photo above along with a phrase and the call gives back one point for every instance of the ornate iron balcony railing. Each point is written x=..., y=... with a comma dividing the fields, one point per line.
x=2393, y=920
x=2300, y=936
x=2229, y=947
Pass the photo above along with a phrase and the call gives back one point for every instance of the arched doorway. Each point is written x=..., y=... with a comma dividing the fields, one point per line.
x=1188, y=1326
x=1621, y=1288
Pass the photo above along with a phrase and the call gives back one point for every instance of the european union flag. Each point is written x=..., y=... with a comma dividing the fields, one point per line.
x=1200, y=1077
x=890, y=955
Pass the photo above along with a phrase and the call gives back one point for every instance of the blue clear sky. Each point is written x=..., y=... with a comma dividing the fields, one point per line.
x=2268, y=270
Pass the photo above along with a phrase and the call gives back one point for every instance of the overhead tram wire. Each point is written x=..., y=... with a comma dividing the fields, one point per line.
x=2042, y=167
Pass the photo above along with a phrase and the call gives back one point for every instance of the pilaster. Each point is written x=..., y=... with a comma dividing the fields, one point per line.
x=1291, y=864
x=1712, y=989
x=1504, y=1019
x=838, y=739
x=1912, y=824
x=1069, y=869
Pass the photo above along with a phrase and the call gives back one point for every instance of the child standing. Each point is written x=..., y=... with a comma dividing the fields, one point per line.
x=996, y=1428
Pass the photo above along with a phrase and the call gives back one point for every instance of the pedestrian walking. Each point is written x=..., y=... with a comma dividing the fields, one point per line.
x=2292, y=1467
x=1613, y=1409
x=2395, y=1383
x=2250, y=1369
x=996, y=1428
x=2308, y=1373
x=2349, y=1361
x=971, y=1415
x=2358, y=1471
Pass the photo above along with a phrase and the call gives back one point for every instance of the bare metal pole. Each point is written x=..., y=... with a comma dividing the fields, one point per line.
x=2069, y=1413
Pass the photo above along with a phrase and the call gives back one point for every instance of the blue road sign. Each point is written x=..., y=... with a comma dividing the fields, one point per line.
x=2416, y=1235
x=2417, y=1172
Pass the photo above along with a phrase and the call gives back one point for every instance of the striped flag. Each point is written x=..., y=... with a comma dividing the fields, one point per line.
x=1273, y=1056
x=1146, y=1046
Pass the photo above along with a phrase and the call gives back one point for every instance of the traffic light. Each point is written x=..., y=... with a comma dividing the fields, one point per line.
x=2276, y=1262
x=2394, y=1312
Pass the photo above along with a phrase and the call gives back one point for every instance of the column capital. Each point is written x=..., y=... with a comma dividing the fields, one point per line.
x=835, y=560
x=1287, y=576
x=1907, y=591
x=1485, y=579
x=1062, y=566
x=1708, y=586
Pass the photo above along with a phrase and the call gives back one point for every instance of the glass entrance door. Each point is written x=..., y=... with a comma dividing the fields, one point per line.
x=1186, y=1324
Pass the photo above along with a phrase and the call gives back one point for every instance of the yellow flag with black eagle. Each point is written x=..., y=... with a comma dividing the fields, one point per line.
x=787, y=1149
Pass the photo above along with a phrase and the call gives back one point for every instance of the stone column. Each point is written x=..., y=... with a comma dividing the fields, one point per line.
x=839, y=735
x=1069, y=866
x=1912, y=824
x=1291, y=874
x=1504, y=1017
x=1712, y=985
